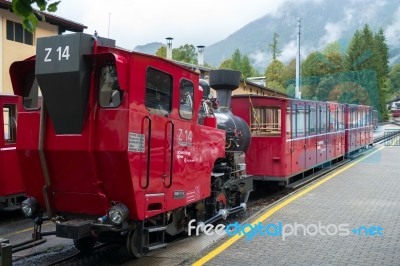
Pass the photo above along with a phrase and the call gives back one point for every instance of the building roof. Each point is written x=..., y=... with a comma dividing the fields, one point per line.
x=62, y=23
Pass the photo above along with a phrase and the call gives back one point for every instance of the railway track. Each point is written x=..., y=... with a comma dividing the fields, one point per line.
x=264, y=196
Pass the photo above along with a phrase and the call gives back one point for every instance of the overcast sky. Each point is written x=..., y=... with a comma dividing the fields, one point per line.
x=138, y=22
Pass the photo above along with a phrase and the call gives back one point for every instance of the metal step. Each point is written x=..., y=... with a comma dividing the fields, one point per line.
x=156, y=228
x=12, y=208
x=153, y=246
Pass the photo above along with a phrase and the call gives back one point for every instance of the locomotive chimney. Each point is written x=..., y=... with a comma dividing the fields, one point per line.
x=200, y=55
x=169, y=47
x=224, y=81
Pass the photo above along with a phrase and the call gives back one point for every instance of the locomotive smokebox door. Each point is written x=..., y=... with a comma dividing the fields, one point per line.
x=63, y=76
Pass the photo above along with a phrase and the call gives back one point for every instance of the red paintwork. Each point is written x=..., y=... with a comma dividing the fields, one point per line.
x=396, y=113
x=281, y=157
x=10, y=175
x=89, y=171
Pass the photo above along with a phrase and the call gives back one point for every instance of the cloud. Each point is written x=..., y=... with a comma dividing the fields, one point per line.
x=288, y=52
x=259, y=60
x=392, y=32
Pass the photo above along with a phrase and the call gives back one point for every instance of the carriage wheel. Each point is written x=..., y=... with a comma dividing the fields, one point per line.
x=133, y=244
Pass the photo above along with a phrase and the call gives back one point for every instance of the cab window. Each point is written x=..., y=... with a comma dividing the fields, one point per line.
x=186, y=99
x=110, y=94
x=9, y=123
x=158, y=98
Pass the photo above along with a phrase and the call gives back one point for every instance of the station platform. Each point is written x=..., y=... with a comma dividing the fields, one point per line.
x=350, y=217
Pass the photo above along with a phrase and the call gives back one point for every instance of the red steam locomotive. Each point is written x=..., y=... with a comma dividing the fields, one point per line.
x=129, y=147
x=125, y=146
x=11, y=185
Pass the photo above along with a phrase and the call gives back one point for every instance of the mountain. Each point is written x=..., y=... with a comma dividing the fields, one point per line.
x=150, y=48
x=322, y=22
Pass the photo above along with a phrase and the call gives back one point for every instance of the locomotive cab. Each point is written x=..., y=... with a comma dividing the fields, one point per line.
x=117, y=150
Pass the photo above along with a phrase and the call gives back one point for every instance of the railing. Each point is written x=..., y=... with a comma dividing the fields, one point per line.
x=392, y=137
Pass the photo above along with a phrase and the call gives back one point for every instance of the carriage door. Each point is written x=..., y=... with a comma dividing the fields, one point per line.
x=159, y=129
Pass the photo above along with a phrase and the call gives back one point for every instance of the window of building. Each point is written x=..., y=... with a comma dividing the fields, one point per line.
x=9, y=123
x=158, y=92
x=266, y=121
x=15, y=32
x=186, y=99
x=110, y=94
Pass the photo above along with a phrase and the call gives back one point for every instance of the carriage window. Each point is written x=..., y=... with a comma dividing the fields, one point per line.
x=340, y=118
x=322, y=119
x=300, y=117
x=9, y=123
x=313, y=121
x=110, y=94
x=307, y=120
x=294, y=120
x=288, y=122
x=30, y=99
x=332, y=119
x=266, y=121
x=158, y=91
x=186, y=99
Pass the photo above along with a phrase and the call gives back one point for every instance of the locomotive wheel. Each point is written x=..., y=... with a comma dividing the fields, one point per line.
x=85, y=245
x=220, y=202
x=132, y=243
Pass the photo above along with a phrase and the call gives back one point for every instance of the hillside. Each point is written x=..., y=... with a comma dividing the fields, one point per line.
x=322, y=22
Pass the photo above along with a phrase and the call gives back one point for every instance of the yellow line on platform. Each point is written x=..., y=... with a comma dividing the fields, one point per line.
x=24, y=230
x=263, y=217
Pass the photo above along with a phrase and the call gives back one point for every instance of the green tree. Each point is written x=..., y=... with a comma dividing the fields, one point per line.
x=240, y=63
x=274, y=76
x=24, y=9
x=394, y=80
x=236, y=60
x=333, y=55
x=289, y=73
x=185, y=53
x=273, y=47
x=162, y=52
x=368, y=51
x=227, y=64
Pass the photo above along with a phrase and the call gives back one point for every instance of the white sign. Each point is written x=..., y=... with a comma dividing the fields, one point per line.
x=136, y=142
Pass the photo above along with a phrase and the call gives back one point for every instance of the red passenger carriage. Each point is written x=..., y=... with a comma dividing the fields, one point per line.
x=359, y=127
x=11, y=185
x=291, y=137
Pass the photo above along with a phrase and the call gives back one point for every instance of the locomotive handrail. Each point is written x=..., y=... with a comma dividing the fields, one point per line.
x=172, y=151
x=148, y=153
